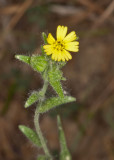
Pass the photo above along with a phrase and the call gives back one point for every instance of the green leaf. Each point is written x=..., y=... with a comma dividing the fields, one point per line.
x=22, y=58
x=30, y=134
x=55, y=75
x=65, y=154
x=54, y=101
x=32, y=99
x=38, y=63
x=42, y=157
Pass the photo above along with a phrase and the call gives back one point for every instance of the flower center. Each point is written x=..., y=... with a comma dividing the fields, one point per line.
x=58, y=45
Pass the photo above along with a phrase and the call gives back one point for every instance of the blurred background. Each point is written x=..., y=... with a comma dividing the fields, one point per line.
x=88, y=123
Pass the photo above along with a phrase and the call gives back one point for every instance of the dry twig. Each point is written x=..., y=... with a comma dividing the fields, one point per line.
x=103, y=96
x=15, y=19
x=10, y=9
x=19, y=14
x=92, y=5
x=105, y=15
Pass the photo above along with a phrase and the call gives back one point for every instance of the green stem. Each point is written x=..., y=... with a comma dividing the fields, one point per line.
x=37, y=126
x=44, y=87
x=38, y=130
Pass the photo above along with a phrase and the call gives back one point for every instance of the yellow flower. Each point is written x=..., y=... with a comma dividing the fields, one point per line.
x=59, y=48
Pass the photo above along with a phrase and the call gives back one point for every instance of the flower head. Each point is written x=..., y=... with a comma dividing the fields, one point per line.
x=59, y=49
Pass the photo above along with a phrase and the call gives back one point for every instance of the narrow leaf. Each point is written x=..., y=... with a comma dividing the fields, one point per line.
x=54, y=101
x=22, y=58
x=32, y=99
x=30, y=134
x=55, y=75
x=38, y=63
x=57, y=87
x=65, y=154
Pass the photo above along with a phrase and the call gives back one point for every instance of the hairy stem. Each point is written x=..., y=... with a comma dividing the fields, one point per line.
x=38, y=130
x=37, y=126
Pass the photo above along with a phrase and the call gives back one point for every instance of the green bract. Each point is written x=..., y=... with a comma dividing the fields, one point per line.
x=44, y=37
x=61, y=64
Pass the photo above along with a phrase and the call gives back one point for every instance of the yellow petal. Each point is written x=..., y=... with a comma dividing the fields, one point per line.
x=70, y=37
x=59, y=56
x=72, y=46
x=48, y=53
x=47, y=46
x=48, y=49
x=63, y=58
x=53, y=56
x=67, y=55
x=61, y=32
x=50, y=39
